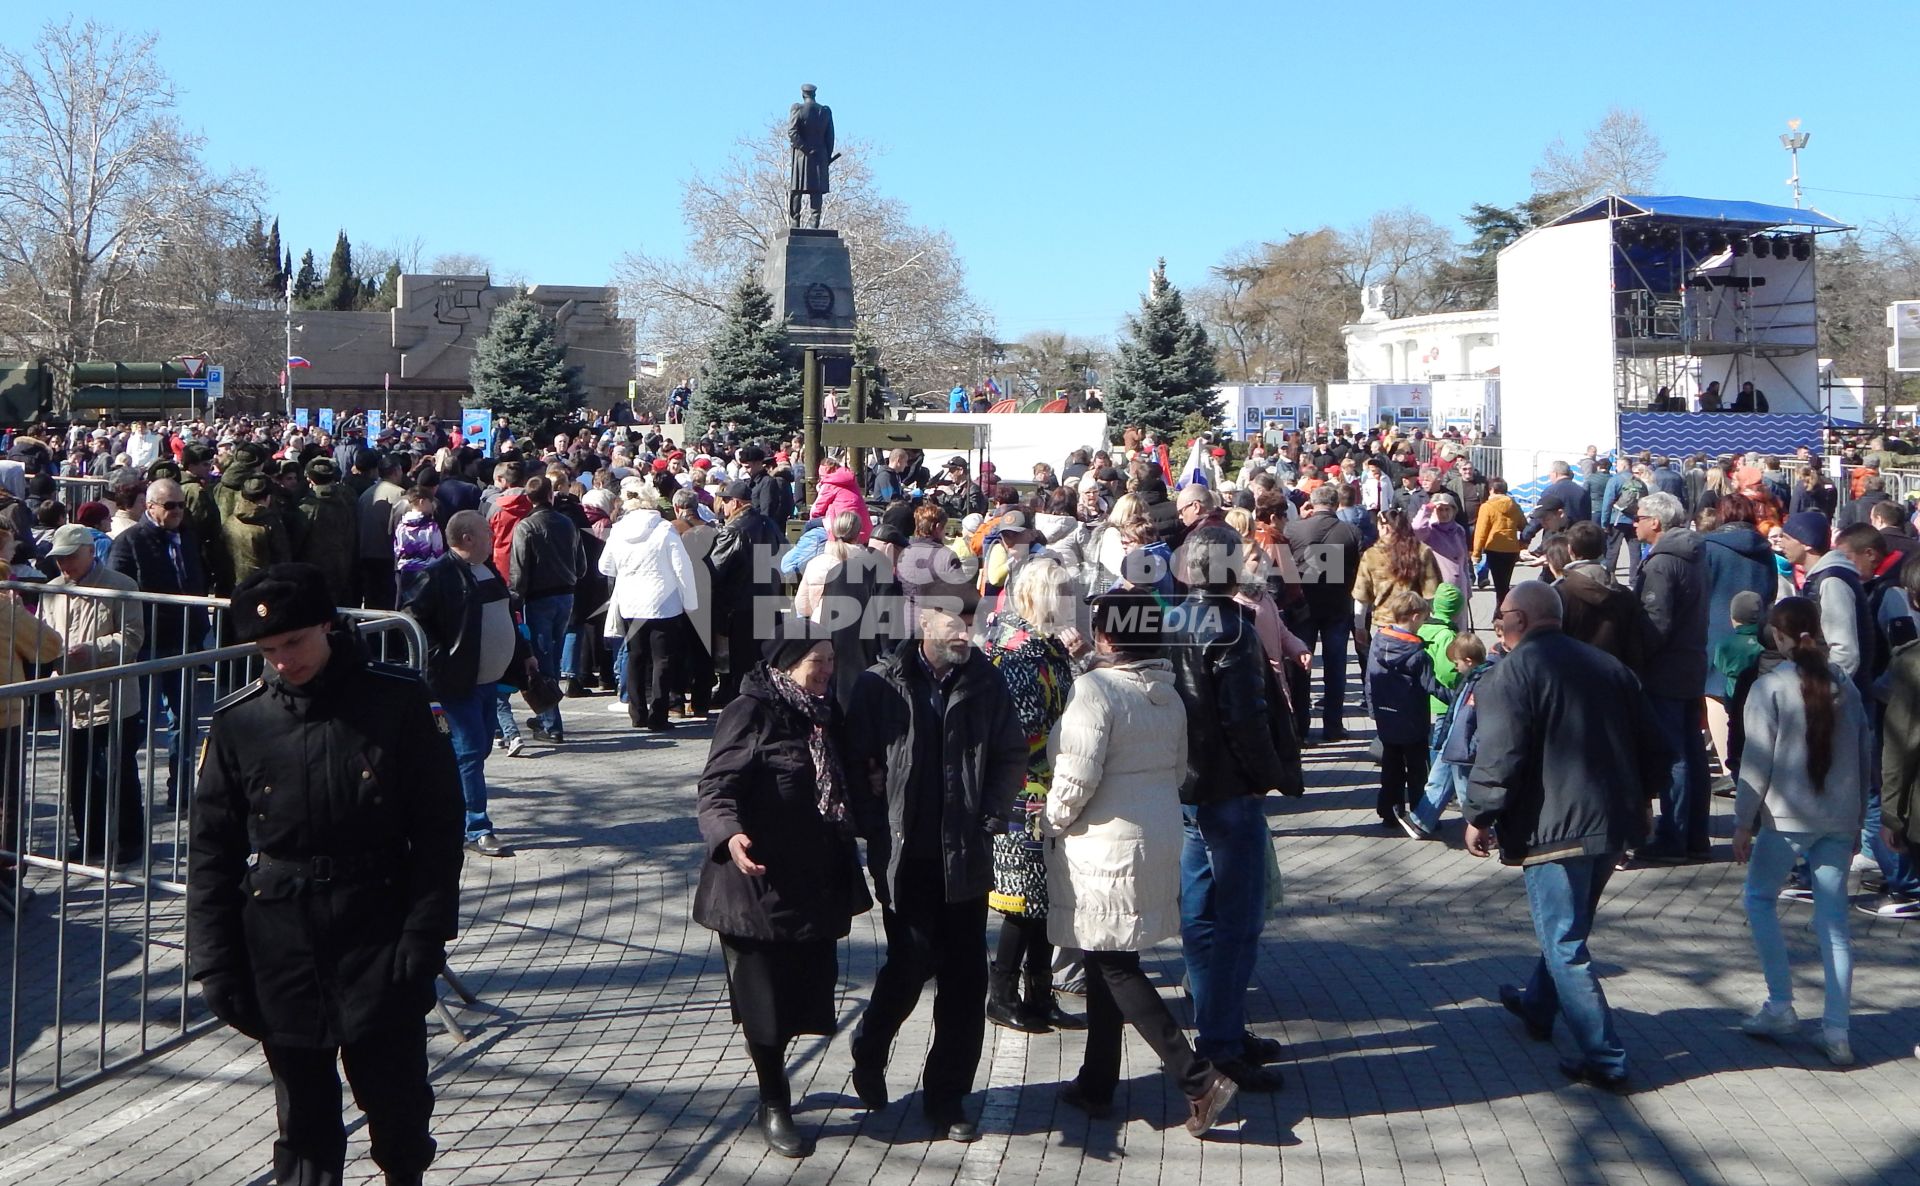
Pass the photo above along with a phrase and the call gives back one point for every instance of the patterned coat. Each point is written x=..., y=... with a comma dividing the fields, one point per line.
x=1038, y=672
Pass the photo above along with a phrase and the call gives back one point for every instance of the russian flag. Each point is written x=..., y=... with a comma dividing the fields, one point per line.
x=297, y=361
x=993, y=387
x=1195, y=471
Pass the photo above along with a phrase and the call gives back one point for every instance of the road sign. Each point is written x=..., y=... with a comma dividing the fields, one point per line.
x=216, y=382
x=190, y=384
x=191, y=363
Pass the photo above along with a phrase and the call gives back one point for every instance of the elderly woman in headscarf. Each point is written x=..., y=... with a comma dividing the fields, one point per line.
x=781, y=880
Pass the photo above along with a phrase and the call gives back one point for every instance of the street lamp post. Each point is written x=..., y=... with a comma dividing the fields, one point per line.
x=1793, y=140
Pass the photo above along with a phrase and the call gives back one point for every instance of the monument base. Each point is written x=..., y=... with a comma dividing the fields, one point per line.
x=810, y=277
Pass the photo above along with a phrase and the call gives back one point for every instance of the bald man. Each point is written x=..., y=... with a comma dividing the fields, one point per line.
x=1568, y=757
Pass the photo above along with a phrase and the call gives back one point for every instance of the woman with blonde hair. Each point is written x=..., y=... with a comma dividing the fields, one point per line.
x=843, y=544
x=1033, y=643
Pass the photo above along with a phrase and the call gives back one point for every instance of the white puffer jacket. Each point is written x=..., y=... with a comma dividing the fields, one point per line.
x=652, y=574
x=1113, y=811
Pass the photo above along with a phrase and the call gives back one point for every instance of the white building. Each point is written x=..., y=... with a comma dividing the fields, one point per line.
x=1382, y=348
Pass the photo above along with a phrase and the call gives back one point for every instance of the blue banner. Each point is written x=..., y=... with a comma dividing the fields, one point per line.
x=476, y=425
x=326, y=421
x=1715, y=433
x=300, y=417
x=373, y=425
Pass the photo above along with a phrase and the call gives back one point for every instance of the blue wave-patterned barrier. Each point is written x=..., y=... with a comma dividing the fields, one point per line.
x=1715, y=433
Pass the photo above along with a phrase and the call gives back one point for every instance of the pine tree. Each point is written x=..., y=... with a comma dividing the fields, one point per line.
x=520, y=371
x=273, y=267
x=381, y=293
x=748, y=377
x=1166, y=371
x=306, y=284
x=286, y=272
x=342, y=289
x=260, y=261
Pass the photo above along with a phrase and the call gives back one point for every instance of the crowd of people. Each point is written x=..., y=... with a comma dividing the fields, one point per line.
x=1049, y=669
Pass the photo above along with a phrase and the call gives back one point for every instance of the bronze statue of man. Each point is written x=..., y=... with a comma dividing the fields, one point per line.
x=810, y=132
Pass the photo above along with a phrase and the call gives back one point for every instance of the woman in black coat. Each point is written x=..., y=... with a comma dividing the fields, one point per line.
x=782, y=881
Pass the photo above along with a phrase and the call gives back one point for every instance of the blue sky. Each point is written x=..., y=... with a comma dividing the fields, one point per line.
x=1064, y=145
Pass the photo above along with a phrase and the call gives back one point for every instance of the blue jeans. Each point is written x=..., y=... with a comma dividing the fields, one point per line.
x=1445, y=780
x=546, y=619
x=1684, y=806
x=1896, y=867
x=620, y=668
x=1332, y=638
x=1827, y=857
x=1563, y=896
x=472, y=737
x=571, y=647
x=503, y=722
x=1223, y=896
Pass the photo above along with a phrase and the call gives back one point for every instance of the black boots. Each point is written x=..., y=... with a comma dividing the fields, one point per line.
x=1005, y=1009
x=776, y=1127
x=1043, y=1010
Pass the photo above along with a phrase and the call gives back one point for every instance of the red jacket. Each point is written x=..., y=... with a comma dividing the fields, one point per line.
x=507, y=513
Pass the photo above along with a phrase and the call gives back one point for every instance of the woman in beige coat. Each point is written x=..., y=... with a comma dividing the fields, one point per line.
x=1112, y=819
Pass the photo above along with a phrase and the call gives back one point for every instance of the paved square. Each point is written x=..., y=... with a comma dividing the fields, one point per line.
x=603, y=1052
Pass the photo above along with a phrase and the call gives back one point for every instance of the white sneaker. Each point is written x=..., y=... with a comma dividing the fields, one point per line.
x=515, y=747
x=1862, y=863
x=619, y=706
x=1770, y=1022
x=1839, y=1050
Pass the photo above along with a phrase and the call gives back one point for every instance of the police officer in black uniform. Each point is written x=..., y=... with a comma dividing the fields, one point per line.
x=324, y=877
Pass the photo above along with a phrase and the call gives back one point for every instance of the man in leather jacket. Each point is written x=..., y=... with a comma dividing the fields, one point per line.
x=744, y=572
x=1238, y=749
x=321, y=893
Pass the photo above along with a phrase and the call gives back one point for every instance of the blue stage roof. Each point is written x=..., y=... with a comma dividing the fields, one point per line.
x=1746, y=214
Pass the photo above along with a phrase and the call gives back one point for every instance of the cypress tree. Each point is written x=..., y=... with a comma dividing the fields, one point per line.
x=748, y=377
x=1166, y=371
x=342, y=290
x=520, y=371
x=306, y=284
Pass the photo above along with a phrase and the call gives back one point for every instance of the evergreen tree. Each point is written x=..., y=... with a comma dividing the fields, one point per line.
x=520, y=371
x=1166, y=370
x=274, y=251
x=260, y=260
x=306, y=284
x=381, y=293
x=748, y=377
x=342, y=289
x=286, y=272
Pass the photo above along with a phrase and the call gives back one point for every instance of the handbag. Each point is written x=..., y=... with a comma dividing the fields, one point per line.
x=542, y=693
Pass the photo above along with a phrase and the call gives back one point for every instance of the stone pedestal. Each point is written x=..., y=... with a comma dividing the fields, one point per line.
x=810, y=276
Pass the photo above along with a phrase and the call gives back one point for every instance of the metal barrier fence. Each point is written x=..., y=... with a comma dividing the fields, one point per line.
x=75, y=490
x=97, y=773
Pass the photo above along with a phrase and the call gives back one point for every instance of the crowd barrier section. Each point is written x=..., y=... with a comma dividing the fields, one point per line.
x=93, y=840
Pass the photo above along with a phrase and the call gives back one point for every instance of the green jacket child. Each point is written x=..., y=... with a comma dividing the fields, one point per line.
x=1438, y=633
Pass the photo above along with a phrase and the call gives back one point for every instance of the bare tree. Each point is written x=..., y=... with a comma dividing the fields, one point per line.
x=1620, y=154
x=1405, y=250
x=457, y=263
x=107, y=212
x=909, y=285
x=1276, y=309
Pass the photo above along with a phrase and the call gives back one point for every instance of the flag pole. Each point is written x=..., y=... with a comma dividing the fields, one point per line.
x=286, y=368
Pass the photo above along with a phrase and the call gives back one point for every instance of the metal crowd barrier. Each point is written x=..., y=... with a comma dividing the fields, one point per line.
x=76, y=490
x=93, y=854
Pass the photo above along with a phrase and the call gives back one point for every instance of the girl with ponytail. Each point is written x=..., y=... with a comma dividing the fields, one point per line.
x=1802, y=794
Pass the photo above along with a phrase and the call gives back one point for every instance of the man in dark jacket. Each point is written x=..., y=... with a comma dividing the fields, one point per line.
x=958, y=494
x=161, y=555
x=1599, y=474
x=746, y=580
x=1595, y=609
x=1673, y=590
x=1567, y=757
x=941, y=752
x=1572, y=494
x=321, y=895
x=772, y=497
x=1326, y=552
x=203, y=516
x=1668, y=480
x=1160, y=509
x=1873, y=492
x=1238, y=749
x=461, y=605
x=545, y=560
